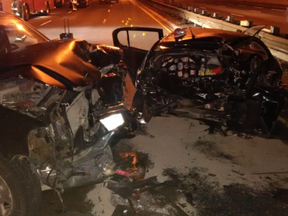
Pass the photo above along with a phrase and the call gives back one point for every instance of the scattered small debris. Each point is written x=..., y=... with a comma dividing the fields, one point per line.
x=234, y=199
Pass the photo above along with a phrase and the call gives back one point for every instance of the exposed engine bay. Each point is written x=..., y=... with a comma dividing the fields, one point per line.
x=70, y=148
x=71, y=119
x=39, y=101
x=66, y=106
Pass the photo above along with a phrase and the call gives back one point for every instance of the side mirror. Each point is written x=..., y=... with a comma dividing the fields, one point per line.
x=66, y=34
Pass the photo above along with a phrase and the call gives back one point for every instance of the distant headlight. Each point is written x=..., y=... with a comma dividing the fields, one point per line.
x=113, y=121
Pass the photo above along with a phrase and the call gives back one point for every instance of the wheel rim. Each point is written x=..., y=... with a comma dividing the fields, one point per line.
x=6, y=201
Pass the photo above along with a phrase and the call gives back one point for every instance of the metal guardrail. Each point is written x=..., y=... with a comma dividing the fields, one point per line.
x=278, y=46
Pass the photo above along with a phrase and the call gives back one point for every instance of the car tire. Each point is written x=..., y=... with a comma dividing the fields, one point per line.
x=18, y=193
x=47, y=10
x=32, y=184
x=25, y=14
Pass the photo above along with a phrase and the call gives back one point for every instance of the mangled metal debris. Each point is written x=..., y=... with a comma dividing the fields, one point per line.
x=142, y=198
x=61, y=101
x=213, y=75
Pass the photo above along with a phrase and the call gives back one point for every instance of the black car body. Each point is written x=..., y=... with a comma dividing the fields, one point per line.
x=60, y=103
x=218, y=76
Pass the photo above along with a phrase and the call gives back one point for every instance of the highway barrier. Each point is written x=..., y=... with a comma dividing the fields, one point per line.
x=277, y=45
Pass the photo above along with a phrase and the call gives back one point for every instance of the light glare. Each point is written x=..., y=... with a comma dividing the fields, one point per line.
x=113, y=121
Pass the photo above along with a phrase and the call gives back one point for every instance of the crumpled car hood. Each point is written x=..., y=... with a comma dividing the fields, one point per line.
x=60, y=63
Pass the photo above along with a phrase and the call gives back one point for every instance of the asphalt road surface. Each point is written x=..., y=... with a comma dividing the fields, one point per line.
x=95, y=23
x=235, y=175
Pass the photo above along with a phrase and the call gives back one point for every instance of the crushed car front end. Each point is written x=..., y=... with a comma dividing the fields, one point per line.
x=61, y=101
x=217, y=76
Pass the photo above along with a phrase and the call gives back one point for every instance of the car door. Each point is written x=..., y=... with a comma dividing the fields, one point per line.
x=135, y=43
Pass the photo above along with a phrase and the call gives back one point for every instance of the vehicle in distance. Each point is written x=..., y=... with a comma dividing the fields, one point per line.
x=25, y=8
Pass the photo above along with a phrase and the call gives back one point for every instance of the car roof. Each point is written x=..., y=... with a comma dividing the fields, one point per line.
x=6, y=15
x=2, y=13
x=200, y=33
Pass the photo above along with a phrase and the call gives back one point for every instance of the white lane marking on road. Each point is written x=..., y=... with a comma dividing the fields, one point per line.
x=239, y=15
x=169, y=30
x=108, y=11
x=45, y=23
x=277, y=9
x=69, y=11
x=104, y=21
x=255, y=11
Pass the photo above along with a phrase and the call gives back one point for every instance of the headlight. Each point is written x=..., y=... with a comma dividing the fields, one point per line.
x=113, y=121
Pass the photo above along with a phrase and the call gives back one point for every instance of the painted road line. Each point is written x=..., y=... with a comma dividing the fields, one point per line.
x=108, y=11
x=169, y=30
x=277, y=9
x=69, y=11
x=104, y=21
x=255, y=11
x=239, y=15
x=45, y=23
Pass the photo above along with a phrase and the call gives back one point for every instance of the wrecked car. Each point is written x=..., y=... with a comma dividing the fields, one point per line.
x=220, y=77
x=60, y=103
